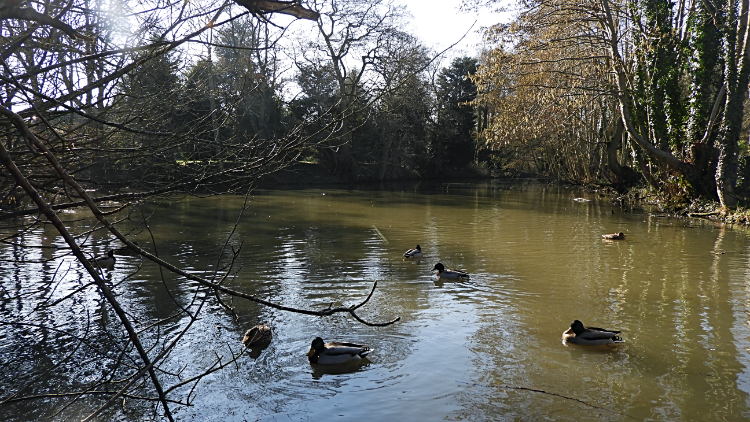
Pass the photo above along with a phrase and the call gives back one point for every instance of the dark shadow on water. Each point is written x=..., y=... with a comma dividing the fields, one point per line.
x=255, y=351
x=344, y=368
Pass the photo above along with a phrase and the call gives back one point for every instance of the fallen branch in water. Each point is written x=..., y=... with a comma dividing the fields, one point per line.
x=703, y=214
x=536, y=390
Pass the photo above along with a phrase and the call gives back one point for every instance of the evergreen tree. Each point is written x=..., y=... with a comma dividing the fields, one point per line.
x=453, y=143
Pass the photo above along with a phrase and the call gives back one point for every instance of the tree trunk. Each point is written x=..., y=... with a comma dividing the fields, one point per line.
x=214, y=111
x=384, y=160
x=738, y=75
x=343, y=158
x=612, y=148
x=687, y=170
x=624, y=174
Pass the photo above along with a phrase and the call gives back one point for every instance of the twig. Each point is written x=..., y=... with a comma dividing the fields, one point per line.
x=703, y=214
x=9, y=164
x=536, y=390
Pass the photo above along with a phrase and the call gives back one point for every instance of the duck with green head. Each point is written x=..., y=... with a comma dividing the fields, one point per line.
x=335, y=352
x=104, y=261
x=590, y=336
x=442, y=272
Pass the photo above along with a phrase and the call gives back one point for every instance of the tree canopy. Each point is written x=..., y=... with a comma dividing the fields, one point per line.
x=564, y=78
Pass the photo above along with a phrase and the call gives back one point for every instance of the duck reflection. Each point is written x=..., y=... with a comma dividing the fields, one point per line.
x=577, y=351
x=344, y=368
x=254, y=352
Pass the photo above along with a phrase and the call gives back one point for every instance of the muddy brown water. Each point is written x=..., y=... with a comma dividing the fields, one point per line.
x=488, y=348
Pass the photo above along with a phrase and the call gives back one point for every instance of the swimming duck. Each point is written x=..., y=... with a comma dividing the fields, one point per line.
x=334, y=353
x=614, y=236
x=443, y=273
x=104, y=261
x=414, y=253
x=590, y=336
x=257, y=336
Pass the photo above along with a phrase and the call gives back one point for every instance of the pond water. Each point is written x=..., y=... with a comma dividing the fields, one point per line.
x=488, y=348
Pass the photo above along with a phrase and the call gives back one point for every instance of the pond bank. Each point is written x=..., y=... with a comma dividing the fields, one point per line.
x=709, y=210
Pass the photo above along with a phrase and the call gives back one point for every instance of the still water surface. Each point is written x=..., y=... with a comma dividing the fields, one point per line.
x=678, y=289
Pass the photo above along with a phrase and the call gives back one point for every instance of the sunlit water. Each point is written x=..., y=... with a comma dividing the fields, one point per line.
x=484, y=349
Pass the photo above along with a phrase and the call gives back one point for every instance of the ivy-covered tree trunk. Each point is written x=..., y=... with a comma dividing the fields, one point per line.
x=626, y=101
x=679, y=75
x=737, y=76
x=660, y=70
x=707, y=75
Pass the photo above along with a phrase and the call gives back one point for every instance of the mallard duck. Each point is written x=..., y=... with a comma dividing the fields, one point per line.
x=590, y=336
x=257, y=336
x=104, y=261
x=334, y=353
x=614, y=236
x=414, y=253
x=443, y=273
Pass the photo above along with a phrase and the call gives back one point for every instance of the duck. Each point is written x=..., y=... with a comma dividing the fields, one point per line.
x=614, y=236
x=335, y=353
x=443, y=273
x=590, y=336
x=104, y=261
x=257, y=336
x=414, y=253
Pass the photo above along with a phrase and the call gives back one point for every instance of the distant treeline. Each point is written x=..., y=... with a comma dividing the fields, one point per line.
x=423, y=126
x=611, y=93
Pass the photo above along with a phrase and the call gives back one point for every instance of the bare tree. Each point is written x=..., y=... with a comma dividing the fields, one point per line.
x=88, y=104
x=403, y=107
x=678, y=84
x=352, y=36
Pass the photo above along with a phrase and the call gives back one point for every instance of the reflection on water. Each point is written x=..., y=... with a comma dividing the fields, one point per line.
x=255, y=351
x=679, y=290
x=318, y=371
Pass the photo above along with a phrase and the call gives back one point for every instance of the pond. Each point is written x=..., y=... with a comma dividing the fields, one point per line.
x=487, y=348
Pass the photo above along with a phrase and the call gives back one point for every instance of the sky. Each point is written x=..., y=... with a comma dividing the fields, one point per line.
x=440, y=23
